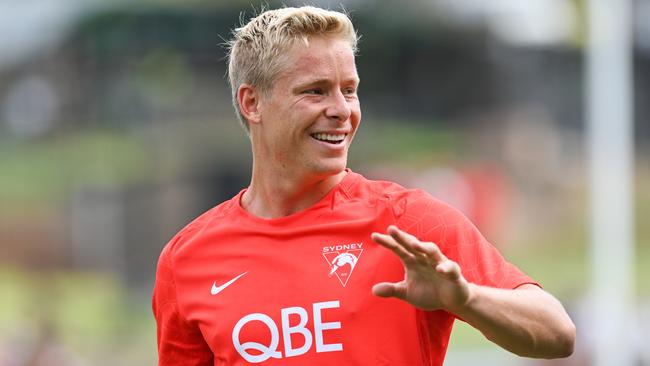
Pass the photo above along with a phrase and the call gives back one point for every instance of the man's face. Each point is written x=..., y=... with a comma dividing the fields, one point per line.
x=310, y=115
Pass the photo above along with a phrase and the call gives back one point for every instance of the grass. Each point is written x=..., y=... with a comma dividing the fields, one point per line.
x=38, y=173
x=92, y=315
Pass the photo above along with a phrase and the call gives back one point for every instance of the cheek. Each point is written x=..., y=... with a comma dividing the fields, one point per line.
x=355, y=117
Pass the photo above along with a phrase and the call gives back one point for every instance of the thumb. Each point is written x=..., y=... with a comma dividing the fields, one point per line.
x=387, y=289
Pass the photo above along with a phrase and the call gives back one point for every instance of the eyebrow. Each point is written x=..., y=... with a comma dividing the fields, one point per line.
x=323, y=81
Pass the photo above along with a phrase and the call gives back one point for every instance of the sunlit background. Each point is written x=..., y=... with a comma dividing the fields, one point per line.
x=116, y=129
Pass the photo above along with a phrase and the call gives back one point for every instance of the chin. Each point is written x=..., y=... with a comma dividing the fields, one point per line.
x=330, y=168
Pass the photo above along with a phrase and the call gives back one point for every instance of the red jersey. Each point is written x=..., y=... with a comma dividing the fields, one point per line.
x=235, y=289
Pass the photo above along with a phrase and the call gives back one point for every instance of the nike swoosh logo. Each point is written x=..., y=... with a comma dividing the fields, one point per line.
x=216, y=289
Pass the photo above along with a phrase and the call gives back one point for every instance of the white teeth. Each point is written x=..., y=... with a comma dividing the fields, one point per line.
x=329, y=137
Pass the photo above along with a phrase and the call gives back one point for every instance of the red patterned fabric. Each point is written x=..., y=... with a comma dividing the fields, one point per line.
x=297, y=290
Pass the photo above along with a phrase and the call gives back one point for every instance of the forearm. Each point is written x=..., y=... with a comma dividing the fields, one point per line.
x=526, y=321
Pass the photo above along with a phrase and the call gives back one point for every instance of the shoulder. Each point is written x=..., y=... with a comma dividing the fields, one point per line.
x=416, y=210
x=373, y=190
x=402, y=200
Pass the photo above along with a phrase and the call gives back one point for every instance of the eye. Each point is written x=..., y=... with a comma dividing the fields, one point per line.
x=350, y=91
x=314, y=91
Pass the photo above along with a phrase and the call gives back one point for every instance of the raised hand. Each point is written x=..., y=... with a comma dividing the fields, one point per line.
x=431, y=280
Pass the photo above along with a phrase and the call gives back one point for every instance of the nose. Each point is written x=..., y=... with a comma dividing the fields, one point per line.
x=339, y=108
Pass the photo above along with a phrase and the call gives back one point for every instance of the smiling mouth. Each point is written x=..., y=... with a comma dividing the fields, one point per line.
x=333, y=139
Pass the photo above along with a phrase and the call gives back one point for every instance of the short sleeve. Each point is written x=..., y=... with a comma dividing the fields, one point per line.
x=179, y=342
x=432, y=220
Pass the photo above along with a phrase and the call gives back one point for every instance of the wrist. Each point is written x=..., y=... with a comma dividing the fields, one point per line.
x=465, y=308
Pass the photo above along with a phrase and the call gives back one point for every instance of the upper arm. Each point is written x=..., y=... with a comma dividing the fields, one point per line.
x=179, y=341
x=458, y=238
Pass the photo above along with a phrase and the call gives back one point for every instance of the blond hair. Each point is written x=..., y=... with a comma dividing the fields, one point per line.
x=257, y=51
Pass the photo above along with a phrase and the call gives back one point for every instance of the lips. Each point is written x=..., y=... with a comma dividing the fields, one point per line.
x=332, y=138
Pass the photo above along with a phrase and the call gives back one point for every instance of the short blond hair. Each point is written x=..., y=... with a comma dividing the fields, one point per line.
x=257, y=49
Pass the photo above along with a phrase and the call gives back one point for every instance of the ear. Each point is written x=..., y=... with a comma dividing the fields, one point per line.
x=248, y=98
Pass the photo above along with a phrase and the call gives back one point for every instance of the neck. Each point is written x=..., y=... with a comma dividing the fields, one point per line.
x=274, y=194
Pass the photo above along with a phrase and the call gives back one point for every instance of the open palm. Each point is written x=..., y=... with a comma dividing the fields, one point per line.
x=431, y=280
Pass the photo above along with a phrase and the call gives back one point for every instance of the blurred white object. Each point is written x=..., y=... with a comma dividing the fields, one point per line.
x=532, y=22
x=29, y=26
x=610, y=132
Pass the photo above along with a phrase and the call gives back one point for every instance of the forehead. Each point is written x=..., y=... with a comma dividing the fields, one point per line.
x=321, y=58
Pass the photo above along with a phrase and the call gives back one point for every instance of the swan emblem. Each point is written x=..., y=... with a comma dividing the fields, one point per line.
x=341, y=260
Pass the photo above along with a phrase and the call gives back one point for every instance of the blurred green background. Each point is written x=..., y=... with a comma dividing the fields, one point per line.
x=116, y=129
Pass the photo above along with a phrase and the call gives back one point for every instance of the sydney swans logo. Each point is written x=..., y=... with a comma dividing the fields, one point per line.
x=342, y=259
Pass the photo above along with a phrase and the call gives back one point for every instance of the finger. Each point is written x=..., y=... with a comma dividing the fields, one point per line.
x=449, y=269
x=407, y=240
x=388, y=242
x=431, y=250
x=387, y=289
x=415, y=246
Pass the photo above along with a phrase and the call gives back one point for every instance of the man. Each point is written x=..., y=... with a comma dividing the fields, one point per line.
x=313, y=264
